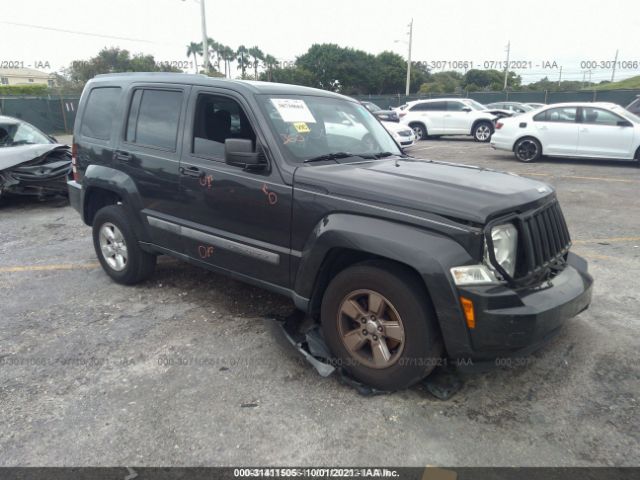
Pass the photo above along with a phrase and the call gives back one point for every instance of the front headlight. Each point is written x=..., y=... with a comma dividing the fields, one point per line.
x=505, y=246
x=473, y=275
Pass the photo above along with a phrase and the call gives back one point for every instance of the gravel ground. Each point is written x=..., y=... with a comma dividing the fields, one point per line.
x=184, y=370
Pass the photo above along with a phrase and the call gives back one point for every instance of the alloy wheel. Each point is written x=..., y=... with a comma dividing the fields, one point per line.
x=483, y=133
x=527, y=150
x=371, y=329
x=113, y=246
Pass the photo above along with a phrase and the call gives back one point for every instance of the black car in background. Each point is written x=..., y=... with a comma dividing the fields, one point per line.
x=383, y=115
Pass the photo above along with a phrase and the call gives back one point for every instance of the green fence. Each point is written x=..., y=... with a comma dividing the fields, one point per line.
x=621, y=97
x=56, y=114
x=51, y=114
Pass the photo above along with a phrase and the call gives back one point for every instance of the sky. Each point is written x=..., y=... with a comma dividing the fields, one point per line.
x=541, y=33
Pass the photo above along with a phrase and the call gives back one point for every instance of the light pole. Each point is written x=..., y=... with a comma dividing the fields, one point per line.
x=409, y=59
x=205, y=42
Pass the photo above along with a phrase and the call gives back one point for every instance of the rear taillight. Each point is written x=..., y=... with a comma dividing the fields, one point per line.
x=74, y=161
x=402, y=114
x=499, y=125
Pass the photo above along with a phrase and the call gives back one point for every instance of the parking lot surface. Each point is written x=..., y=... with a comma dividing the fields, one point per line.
x=184, y=370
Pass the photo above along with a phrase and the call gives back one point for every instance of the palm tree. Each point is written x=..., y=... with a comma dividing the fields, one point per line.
x=241, y=55
x=194, y=49
x=270, y=62
x=257, y=55
x=214, y=53
x=228, y=55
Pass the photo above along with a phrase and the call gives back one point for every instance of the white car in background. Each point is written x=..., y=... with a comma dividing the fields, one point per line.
x=588, y=130
x=402, y=134
x=448, y=116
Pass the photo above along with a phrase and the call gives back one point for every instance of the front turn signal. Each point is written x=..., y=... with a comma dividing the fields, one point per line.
x=469, y=312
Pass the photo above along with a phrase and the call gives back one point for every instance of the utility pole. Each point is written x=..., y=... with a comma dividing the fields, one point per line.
x=506, y=67
x=409, y=58
x=205, y=41
x=560, y=77
x=613, y=71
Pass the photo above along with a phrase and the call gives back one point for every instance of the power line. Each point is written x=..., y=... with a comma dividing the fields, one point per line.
x=77, y=32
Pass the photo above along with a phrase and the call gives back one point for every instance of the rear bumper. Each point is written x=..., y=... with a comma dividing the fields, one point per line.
x=75, y=195
x=498, y=143
x=515, y=323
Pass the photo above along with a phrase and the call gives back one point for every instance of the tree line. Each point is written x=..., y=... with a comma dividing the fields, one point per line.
x=326, y=66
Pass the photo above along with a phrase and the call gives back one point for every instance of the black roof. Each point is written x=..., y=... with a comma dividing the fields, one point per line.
x=246, y=86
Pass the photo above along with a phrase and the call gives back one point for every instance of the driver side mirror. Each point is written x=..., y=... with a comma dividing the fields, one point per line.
x=239, y=153
x=466, y=109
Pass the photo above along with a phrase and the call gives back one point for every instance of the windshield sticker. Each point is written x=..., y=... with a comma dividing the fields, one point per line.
x=301, y=127
x=292, y=110
x=286, y=139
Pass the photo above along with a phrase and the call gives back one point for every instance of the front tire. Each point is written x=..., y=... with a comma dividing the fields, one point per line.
x=527, y=150
x=482, y=132
x=419, y=130
x=117, y=247
x=380, y=325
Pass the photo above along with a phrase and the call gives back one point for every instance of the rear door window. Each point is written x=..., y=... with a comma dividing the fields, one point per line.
x=100, y=112
x=154, y=117
x=558, y=115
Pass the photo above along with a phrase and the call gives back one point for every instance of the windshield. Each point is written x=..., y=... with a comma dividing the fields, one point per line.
x=309, y=127
x=20, y=133
x=475, y=105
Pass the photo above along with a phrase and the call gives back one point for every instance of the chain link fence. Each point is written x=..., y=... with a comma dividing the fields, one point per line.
x=621, y=97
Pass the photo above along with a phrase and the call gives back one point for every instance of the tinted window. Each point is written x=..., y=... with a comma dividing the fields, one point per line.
x=560, y=115
x=158, y=115
x=100, y=112
x=218, y=118
x=597, y=116
x=429, y=106
x=455, y=106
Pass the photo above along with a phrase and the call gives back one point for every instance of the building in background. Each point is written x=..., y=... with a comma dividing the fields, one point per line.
x=25, y=76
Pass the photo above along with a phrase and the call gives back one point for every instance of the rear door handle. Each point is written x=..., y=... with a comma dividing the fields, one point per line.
x=121, y=156
x=192, y=172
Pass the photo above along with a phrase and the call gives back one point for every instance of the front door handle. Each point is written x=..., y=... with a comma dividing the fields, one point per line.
x=192, y=172
x=121, y=156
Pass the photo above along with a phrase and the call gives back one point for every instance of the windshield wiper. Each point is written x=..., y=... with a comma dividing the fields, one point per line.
x=330, y=156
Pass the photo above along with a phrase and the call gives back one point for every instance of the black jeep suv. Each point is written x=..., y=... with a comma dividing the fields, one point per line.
x=303, y=192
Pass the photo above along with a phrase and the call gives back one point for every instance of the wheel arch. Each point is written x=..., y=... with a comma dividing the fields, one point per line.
x=482, y=120
x=103, y=186
x=427, y=255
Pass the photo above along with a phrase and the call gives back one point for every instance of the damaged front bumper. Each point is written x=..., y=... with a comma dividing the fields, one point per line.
x=512, y=323
x=43, y=174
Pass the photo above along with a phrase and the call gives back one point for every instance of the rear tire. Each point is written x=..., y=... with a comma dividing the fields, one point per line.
x=527, y=150
x=401, y=345
x=482, y=132
x=637, y=157
x=419, y=130
x=117, y=247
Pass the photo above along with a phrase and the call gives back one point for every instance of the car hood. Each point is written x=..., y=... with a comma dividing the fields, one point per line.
x=12, y=156
x=456, y=191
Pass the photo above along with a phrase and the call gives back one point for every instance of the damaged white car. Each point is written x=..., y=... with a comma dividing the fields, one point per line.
x=31, y=162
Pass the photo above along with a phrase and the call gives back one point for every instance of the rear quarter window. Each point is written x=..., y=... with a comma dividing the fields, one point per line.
x=100, y=112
